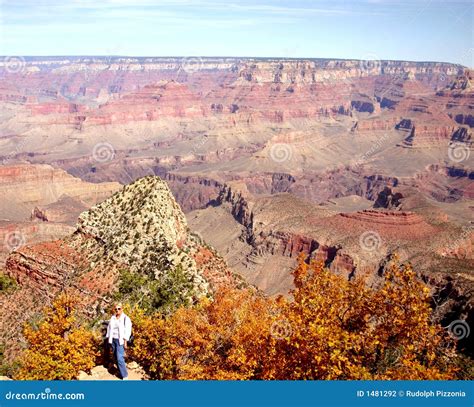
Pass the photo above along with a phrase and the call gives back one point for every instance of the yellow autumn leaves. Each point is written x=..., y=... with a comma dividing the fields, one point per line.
x=59, y=348
x=329, y=328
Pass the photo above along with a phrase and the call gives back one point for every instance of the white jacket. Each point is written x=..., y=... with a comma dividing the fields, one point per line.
x=125, y=328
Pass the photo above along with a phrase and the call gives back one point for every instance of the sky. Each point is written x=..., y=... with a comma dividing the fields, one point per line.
x=418, y=30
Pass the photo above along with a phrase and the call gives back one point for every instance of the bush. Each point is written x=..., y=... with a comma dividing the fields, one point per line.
x=331, y=329
x=59, y=348
x=171, y=290
x=7, y=284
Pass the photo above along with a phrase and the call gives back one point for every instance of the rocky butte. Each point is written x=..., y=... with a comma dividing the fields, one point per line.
x=140, y=228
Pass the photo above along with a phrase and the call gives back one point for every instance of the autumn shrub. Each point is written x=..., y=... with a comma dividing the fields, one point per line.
x=331, y=328
x=7, y=284
x=150, y=347
x=344, y=330
x=59, y=347
x=221, y=339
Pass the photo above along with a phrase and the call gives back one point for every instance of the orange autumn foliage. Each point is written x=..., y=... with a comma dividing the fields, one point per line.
x=59, y=348
x=331, y=329
x=345, y=330
x=215, y=340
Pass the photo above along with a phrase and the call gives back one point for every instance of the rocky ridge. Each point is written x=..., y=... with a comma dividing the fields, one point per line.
x=144, y=228
x=140, y=228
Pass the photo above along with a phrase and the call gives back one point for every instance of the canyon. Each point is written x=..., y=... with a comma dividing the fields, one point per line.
x=346, y=162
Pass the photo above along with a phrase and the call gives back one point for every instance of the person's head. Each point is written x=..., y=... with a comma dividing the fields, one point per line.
x=118, y=309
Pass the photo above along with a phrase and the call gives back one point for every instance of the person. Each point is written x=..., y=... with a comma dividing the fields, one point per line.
x=119, y=331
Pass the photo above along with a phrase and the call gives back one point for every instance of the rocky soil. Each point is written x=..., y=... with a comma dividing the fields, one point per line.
x=135, y=372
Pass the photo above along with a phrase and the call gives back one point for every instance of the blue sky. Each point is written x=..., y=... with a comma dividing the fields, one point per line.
x=429, y=30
